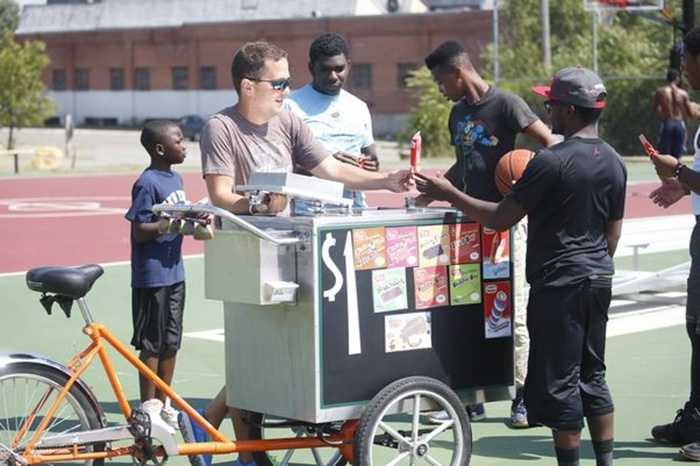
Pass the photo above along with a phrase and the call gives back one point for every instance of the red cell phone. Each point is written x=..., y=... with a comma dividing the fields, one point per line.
x=647, y=146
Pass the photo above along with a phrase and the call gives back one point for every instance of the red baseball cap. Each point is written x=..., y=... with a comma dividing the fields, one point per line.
x=576, y=86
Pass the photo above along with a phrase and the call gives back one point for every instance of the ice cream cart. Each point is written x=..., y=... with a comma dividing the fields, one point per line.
x=344, y=315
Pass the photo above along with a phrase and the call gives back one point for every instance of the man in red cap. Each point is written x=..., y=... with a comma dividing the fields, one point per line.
x=574, y=195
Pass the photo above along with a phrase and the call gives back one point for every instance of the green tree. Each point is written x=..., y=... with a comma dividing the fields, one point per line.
x=630, y=47
x=9, y=15
x=22, y=99
x=429, y=115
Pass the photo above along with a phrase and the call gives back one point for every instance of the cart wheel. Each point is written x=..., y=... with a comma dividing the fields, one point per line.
x=392, y=431
x=268, y=427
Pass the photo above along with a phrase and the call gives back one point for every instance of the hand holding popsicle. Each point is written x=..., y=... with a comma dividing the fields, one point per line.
x=666, y=166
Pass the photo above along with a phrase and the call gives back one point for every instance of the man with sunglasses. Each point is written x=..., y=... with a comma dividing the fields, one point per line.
x=574, y=196
x=340, y=121
x=483, y=125
x=256, y=135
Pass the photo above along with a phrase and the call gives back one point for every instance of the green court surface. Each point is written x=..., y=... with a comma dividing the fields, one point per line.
x=647, y=372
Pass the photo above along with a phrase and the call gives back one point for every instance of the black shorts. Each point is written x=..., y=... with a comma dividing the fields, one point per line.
x=157, y=317
x=566, y=368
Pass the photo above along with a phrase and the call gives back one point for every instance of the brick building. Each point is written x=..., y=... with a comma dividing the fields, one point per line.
x=123, y=61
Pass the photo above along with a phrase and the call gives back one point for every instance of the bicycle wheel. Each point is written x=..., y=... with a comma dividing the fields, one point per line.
x=385, y=438
x=27, y=392
x=267, y=427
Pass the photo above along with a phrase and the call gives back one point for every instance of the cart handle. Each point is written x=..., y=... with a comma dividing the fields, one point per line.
x=203, y=209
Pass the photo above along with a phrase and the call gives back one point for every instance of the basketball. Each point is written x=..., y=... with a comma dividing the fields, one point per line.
x=510, y=168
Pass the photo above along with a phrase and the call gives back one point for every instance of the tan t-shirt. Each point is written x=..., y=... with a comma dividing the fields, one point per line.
x=233, y=146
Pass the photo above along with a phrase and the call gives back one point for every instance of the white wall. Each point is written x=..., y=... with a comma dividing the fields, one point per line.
x=132, y=107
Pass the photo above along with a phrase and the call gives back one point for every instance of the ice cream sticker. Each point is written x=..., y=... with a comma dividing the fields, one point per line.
x=369, y=248
x=407, y=332
x=465, y=243
x=497, y=299
x=389, y=290
x=433, y=245
x=430, y=286
x=401, y=247
x=465, y=284
x=496, y=251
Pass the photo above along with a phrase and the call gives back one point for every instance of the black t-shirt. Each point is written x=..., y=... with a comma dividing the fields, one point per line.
x=482, y=132
x=570, y=191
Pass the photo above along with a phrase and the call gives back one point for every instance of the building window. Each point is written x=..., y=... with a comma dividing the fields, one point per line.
x=402, y=72
x=362, y=76
x=58, y=80
x=116, y=79
x=207, y=77
x=179, y=78
x=82, y=79
x=142, y=79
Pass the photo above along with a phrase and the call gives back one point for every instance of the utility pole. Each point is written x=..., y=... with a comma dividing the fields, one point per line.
x=496, y=67
x=688, y=15
x=546, y=41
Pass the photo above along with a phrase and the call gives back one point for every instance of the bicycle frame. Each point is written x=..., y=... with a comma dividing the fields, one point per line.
x=220, y=444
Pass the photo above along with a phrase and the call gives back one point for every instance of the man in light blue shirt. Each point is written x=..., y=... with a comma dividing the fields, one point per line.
x=340, y=121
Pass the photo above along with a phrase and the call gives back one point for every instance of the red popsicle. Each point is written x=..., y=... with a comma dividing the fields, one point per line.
x=415, y=151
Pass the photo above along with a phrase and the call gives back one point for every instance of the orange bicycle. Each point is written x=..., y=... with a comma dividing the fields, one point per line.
x=48, y=414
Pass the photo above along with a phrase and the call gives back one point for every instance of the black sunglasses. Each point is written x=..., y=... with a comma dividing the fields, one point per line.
x=277, y=84
x=549, y=104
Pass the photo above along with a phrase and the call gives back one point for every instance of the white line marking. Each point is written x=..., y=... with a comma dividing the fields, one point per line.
x=56, y=207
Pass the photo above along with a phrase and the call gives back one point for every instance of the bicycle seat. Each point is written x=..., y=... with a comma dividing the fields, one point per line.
x=72, y=282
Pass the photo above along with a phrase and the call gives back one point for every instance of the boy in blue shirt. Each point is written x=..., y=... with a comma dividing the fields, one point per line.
x=157, y=272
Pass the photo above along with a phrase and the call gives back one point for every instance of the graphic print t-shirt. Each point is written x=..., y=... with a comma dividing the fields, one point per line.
x=157, y=262
x=482, y=132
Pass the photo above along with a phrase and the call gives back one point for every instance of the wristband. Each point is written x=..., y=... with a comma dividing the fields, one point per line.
x=250, y=208
x=677, y=170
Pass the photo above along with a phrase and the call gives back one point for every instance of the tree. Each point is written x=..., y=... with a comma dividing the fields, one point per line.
x=9, y=15
x=430, y=115
x=22, y=99
x=630, y=49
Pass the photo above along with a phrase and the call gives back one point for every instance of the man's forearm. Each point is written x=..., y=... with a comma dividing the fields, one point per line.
x=234, y=203
x=483, y=212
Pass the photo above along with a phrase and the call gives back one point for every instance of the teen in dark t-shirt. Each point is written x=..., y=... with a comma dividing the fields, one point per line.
x=574, y=196
x=570, y=191
x=482, y=131
x=483, y=124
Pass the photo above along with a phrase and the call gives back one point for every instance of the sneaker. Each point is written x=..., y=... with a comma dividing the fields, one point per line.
x=194, y=433
x=153, y=407
x=691, y=451
x=476, y=412
x=170, y=415
x=518, y=412
x=685, y=428
x=438, y=417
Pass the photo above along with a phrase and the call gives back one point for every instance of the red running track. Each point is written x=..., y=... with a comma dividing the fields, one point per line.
x=69, y=221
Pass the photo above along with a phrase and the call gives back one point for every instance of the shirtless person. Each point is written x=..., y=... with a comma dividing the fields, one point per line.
x=674, y=105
